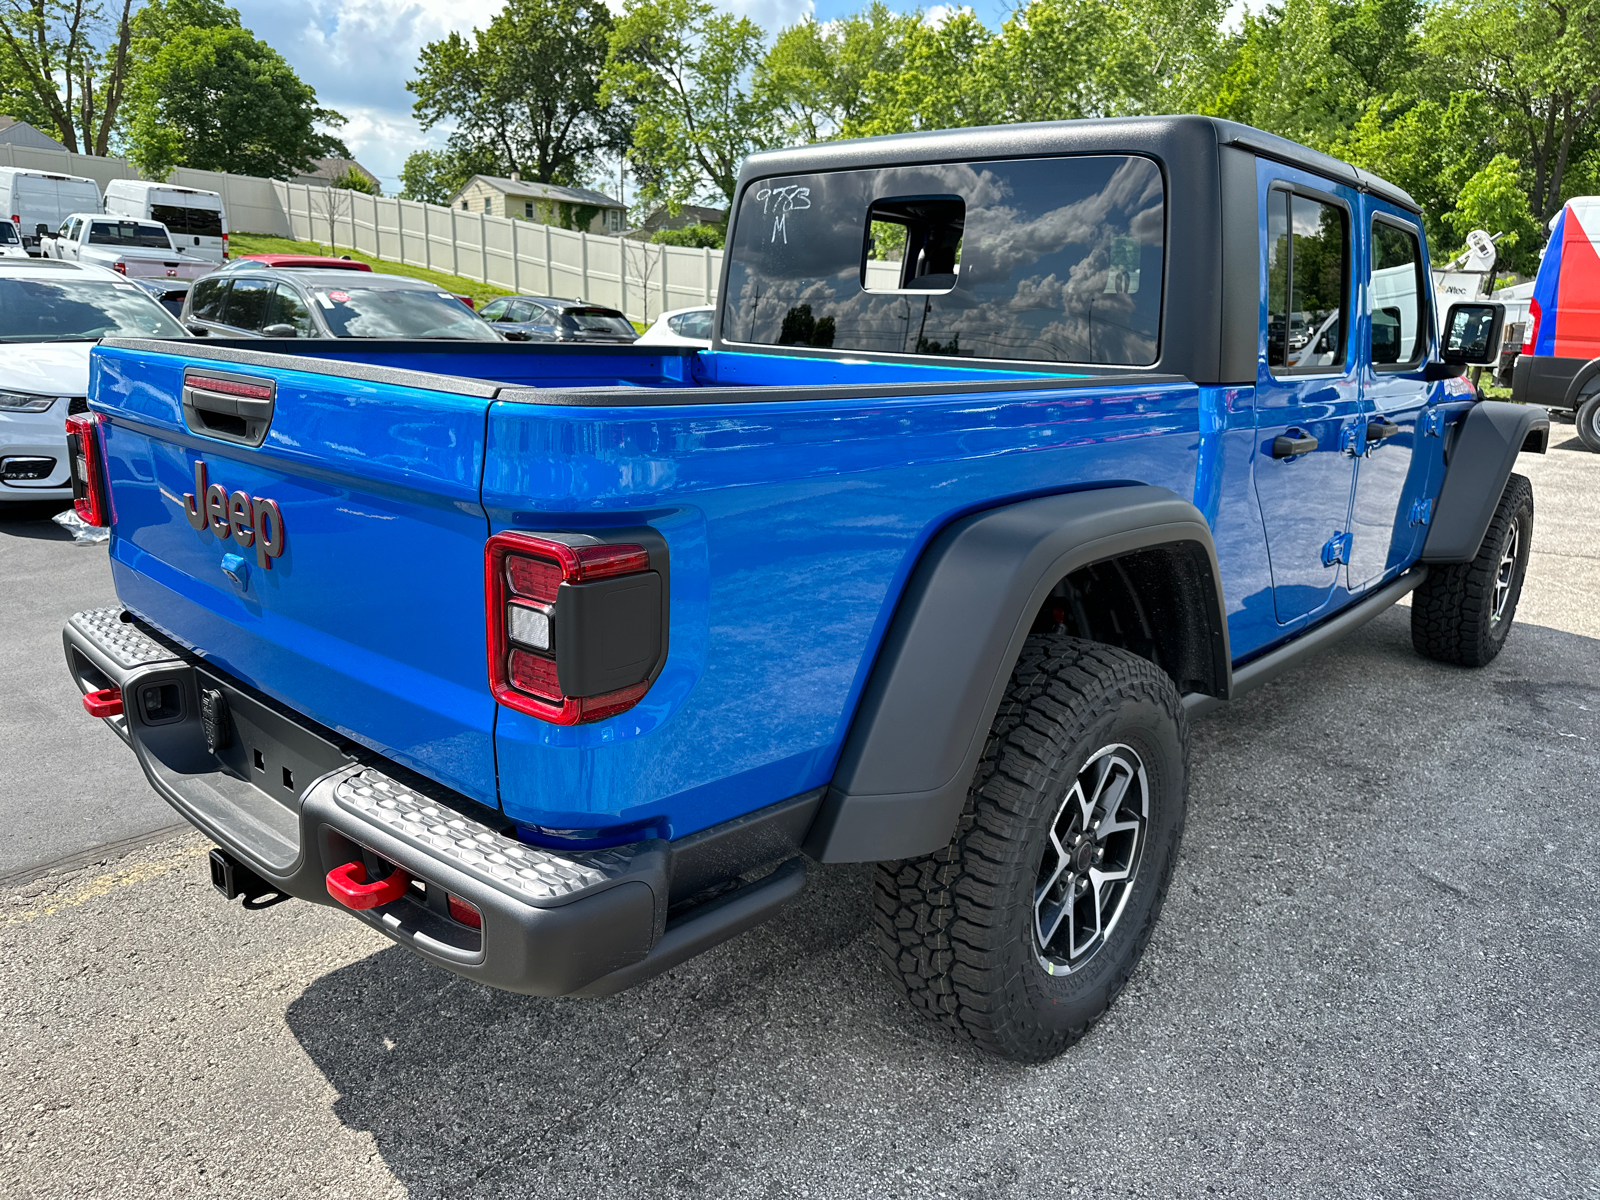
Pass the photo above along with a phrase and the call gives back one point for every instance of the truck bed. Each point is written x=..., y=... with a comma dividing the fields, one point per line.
x=793, y=504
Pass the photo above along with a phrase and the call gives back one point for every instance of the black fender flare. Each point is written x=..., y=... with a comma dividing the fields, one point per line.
x=955, y=637
x=1481, y=458
x=1581, y=380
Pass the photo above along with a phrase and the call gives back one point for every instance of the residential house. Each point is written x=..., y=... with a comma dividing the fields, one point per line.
x=19, y=133
x=547, y=203
x=689, y=214
x=326, y=170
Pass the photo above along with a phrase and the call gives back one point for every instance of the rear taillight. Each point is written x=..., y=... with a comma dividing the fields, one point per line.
x=577, y=628
x=89, y=496
x=224, y=247
x=1531, y=337
x=121, y=268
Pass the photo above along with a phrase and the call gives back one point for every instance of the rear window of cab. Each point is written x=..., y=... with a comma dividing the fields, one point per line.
x=1041, y=260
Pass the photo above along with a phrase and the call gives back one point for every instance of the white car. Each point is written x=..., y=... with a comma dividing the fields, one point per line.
x=10, y=241
x=680, y=327
x=51, y=315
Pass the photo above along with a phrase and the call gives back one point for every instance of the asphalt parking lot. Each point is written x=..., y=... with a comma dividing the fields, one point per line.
x=1376, y=976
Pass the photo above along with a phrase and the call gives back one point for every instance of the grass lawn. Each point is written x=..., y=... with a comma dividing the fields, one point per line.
x=257, y=243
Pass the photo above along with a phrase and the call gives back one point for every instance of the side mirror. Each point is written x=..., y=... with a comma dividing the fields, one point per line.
x=43, y=230
x=198, y=330
x=280, y=331
x=516, y=335
x=1472, y=333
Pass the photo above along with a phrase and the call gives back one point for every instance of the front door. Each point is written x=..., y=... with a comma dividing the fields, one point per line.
x=1308, y=403
x=1390, y=475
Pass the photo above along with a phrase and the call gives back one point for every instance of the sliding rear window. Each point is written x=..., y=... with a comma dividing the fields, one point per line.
x=1040, y=260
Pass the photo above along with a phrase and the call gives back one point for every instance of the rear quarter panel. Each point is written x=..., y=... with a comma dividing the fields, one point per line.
x=792, y=527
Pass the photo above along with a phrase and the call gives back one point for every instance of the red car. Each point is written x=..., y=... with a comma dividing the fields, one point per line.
x=325, y=262
x=322, y=262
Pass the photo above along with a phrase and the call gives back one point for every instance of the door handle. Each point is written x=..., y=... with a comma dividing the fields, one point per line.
x=1289, y=447
x=1378, y=430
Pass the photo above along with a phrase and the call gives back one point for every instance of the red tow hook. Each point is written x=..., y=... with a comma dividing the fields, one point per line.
x=107, y=702
x=347, y=884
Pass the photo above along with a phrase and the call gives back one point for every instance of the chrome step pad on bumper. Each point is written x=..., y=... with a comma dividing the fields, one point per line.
x=552, y=923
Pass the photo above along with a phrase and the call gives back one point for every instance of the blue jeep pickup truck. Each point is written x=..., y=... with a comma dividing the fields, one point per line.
x=1014, y=449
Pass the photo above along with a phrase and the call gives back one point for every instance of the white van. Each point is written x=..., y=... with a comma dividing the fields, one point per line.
x=34, y=198
x=195, y=218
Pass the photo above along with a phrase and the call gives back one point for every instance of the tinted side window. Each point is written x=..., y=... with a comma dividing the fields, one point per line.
x=1308, y=283
x=288, y=309
x=1044, y=260
x=247, y=303
x=208, y=297
x=691, y=325
x=494, y=310
x=1399, y=324
x=523, y=310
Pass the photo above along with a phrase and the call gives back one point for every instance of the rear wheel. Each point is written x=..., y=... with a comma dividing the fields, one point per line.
x=1022, y=931
x=1462, y=613
x=1588, y=420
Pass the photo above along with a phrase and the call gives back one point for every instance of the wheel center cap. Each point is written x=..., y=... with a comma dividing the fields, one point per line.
x=1084, y=858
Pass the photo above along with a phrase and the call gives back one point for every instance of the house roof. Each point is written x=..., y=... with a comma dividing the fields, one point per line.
x=535, y=190
x=20, y=133
x=325, y=170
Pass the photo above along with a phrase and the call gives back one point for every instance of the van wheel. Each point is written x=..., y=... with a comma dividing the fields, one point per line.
x=1022, y=931
x=1462, y=613
x=1588, y=420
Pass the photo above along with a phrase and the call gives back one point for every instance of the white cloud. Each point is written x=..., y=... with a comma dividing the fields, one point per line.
x=358, y=54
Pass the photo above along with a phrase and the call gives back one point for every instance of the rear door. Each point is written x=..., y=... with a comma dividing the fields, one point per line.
x=1308, y=397
x=1392, y=473
x=370, y=620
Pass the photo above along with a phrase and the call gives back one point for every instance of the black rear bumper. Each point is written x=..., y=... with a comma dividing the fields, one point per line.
x=1543, y=379
x=291, y=801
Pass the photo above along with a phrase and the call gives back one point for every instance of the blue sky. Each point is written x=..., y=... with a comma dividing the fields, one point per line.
x=358, y=54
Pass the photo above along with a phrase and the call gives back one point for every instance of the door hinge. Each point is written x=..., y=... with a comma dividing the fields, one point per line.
x=1422, y=512
x=1432, y=423
x=1353, y=440
x=1336, y=550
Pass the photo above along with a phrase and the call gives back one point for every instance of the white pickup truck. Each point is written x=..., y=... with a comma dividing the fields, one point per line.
x=139, y=249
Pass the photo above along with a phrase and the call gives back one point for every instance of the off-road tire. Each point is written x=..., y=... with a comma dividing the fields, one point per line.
x=1587, y=419
x=957, y=927
x=1461, y=614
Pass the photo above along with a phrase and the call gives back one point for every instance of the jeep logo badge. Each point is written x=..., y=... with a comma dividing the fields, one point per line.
x=247, y=520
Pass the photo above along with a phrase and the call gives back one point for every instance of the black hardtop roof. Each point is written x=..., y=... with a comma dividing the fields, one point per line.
x=1156, y=136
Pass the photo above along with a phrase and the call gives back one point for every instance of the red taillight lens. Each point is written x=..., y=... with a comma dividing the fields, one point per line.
x=1530, y=336
x=121, y=268
x=464, y=913
x=89, y=496
x=576, y=631
x=224, y=247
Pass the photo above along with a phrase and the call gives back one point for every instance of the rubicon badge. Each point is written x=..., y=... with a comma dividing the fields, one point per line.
x=248, y=520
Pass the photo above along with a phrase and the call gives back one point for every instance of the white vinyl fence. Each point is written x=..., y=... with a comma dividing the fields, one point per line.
x=639, y=278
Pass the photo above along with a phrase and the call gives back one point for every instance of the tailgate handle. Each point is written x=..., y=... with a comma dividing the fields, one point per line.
x=232, y=408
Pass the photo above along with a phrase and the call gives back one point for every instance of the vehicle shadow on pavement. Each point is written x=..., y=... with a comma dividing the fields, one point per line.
x=686, y=1084
x=1376, y=967
x=31, y=519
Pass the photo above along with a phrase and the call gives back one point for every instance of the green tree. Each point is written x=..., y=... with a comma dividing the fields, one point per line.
x=1536, y=63
x=941, y=82
x=1494, y=200
x=219, y=99
x=353, y=180
x=684, y=69
x=813, y=75
x=694, y=236
x=65, y=62
x=524, y=94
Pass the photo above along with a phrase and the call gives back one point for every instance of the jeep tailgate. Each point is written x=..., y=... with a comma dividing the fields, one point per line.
x=363, y=605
